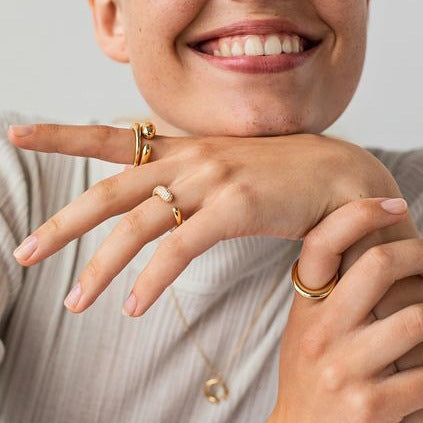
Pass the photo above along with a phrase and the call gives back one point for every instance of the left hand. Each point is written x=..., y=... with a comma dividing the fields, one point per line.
x=226, y=187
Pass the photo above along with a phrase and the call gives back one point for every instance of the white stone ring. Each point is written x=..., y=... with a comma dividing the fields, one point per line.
x=163, y=192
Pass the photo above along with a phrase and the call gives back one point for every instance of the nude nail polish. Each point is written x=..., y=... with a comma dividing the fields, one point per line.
x=130, y=305
x=22, y=130
x=26, y=249
x=72, y=300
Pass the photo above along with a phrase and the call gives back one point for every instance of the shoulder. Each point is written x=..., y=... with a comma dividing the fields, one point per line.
x=407, y=169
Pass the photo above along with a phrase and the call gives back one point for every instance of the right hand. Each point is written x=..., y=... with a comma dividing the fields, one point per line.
x=336, y=362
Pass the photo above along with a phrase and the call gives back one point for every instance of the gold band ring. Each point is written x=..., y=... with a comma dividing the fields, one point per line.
x=315, y=294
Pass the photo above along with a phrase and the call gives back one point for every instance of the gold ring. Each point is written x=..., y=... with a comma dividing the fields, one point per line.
x=137, y=157
x=146, y=154
x=163, y=192
x=178, y=217
x=315, y=294
x=148, y=130
x=145, y=130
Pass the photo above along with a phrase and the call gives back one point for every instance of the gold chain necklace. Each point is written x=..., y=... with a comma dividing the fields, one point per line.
x=215, y=388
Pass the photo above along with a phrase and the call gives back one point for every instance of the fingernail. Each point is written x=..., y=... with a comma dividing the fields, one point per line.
x=130, y=305
x=394, y=205
x=26, y=249
x=22, y=130
x=72, y=300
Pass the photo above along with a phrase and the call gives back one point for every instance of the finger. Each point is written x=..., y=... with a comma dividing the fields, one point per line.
x=370, y=277
x=376, y=350
x=199, y=233
x=145, y=222
x=98, y=141
x=109, y=197
x=324, y=245
x=403, y=392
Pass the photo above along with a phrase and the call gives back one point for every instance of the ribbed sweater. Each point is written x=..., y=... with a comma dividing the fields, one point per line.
x=100, y=366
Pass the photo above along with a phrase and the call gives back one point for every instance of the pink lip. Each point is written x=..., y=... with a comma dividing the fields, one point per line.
x=259, y=64
x=256, y=26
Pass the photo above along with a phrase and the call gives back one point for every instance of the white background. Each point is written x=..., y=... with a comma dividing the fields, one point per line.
x=51, y=65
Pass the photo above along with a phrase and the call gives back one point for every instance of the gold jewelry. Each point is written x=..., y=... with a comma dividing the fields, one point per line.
x=145, y=130
x=315, y=294
x=163, y=192
x=215, y=388
x=137, y=157
x=148, y=130
x=178, y=217
x=166, y=195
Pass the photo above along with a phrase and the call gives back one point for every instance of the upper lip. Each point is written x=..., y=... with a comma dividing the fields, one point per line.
x=256, y=26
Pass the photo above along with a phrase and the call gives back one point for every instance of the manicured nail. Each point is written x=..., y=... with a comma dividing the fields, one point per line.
x=130, y=305
x=72, y=300
x=394, y=205
x=22, y=130
x=26, y=249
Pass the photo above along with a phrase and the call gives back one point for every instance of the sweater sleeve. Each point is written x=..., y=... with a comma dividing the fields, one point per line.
x=31, y=190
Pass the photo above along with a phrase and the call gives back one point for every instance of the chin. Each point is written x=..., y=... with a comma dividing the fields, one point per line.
x=252, y=125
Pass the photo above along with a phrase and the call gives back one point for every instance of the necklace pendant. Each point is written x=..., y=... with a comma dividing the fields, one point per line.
x=216, y=390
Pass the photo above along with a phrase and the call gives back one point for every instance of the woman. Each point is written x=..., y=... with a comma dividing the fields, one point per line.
x=237, y=145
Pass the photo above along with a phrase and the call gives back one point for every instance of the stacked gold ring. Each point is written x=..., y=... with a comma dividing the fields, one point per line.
x=145, y=130
x=314, y=294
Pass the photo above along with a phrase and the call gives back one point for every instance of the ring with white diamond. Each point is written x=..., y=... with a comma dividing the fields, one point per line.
x=163, y=192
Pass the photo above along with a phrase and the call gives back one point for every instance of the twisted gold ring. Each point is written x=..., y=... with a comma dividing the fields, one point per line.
x=315, y=294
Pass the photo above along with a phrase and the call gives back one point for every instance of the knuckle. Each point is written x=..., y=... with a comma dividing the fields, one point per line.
x=55, y=223
x=413, y=321
x=92, y=270
x=314, y=240
x=215, y=169
x=105, y=190
x=313, y=344
x=380, y=258
x=333, y=376
x=132, y=222
x=363, y=404
x=200, y=151
x=362, y=209
x=49, y=129
x=241, y=192
x=176, y=244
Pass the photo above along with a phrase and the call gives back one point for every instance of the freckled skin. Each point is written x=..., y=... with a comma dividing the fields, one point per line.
x=189, y=94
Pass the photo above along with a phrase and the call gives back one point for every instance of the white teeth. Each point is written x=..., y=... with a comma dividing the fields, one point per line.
x=237, y=49
x=272, y=45
x=253, y=46
x=287, y=45
x=296, y=44
x=225, y=49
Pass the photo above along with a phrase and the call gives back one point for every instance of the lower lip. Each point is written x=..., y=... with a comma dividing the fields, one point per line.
x=258, y=64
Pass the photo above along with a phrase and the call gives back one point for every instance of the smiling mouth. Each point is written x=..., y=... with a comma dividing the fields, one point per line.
x=255, y=45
